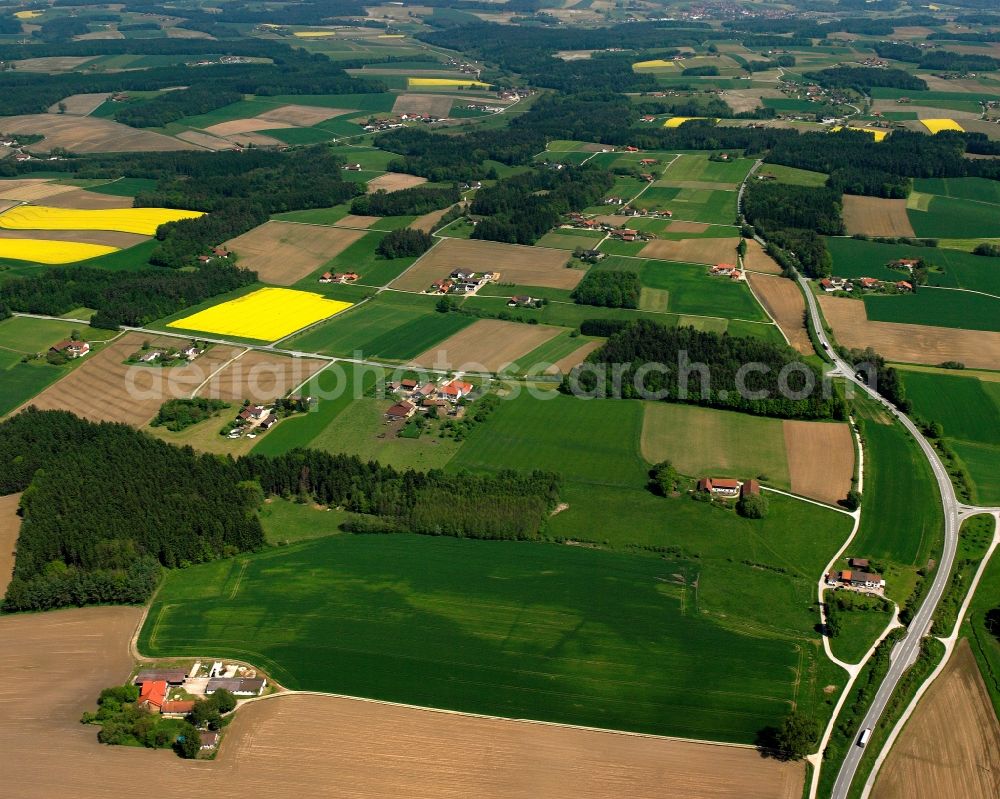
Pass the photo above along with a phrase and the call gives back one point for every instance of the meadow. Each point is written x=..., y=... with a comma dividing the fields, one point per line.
x=512, y=629
x=858, y=631
x=700, y=167
x=19, y=382
x=955, y=218
x=794, y=176
x=938, y=307
x=694, y=205
x=985, y=645
x=977, y=189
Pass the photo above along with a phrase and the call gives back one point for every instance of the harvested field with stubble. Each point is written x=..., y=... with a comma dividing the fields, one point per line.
x=107, y=389
x=895, y=341
x=235, y=126
x=260, y=377
x=757, y=260
x=88, y=200
x=30, y=189
x=575, y=358
x=79, y=104
x=56, y=663
x=783, y=301
x=357, y=221
x=428, y=222
x=285, y=252
x=90, y=134
x=486, y=345
x=51, y=64
x=962, y=764
x=874, y=216
x=820, y=459
x=10, y=528
x=109, y=238
x=394, y=181
x=205, y=140
x=523, y=266
x=436, y=105
x=302, y=116
x=693, y=251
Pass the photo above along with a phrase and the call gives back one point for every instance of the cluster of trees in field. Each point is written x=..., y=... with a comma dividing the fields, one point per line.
x=609, y=288
x=416, y=201
x=937, y=59
x=869, y=182
x=404, y=242
x=862, y=79
x=505, y=505
x=178, y=414
x=132, y=298
x=879, y=375
x=171, y=106
x=136, y=504
x=681, y=364
x=443, y=158
x=522, y=208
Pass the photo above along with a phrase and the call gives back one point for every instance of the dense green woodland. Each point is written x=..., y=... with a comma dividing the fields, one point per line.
x=614, y=369
x=407, y=202
x=610, y=288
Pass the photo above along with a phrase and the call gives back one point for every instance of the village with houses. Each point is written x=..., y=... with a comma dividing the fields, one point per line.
x=914, y=268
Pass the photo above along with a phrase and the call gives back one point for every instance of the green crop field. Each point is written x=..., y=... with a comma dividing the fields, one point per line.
x=394, y=326
x=569, y=239
x=125, y=187
x=793, y=176
x=985, y=645
x=19, y=382
x=512, y=629
x=536, y=361
x=948, y=268
x=24, y=336
x=293, y=136
x=693, y=205
x=699, y=167
x=981, y=462
x=938, y=307
x=361, y=257
x=955, y=218
x=858, y=631
x=316, y=216
x=977, y=189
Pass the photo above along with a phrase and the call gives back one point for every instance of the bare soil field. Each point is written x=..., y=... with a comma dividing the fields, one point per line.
x=486, y=345
x=783, y=301
x=110, y=238
x=205, y=140
x=80, y=104
x=5, y=204
x=245, y=126
x=30, y=189
x=820, y=459
x=875, y=216
x=748, y=99
x=56, y=663
x=895, y=341
x=87, y=200
x=434, y=104
x=51, y=64
x=428, y=222
x=964, y=763
x=90, y=134
x=394, y=181
x=260, y=377
x=10, y=528
x=575, y=358
x=759, y=261
x=357, y=221
x=695, y=251
x=687, y=227
x=989, y=129
x=523, y=266
x=304, y=116
x=105, y=388
x=285, y=252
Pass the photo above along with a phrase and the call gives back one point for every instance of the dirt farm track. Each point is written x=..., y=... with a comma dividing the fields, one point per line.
x=56, y=663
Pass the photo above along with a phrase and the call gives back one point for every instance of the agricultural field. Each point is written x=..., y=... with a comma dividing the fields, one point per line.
x=923, y=763
x=487, y=345
x=690, y=204
x=141, y=221
x=522, y=266
x=909, y=343
x=698, y=168
x=42, y=251
x=284, y=253
x=952, y=217
x=757, y=260
x=90, y=134
x=793, y=176
x=267, y=314
x=874, y=216
x=259, y=377
x=941, y=307
x=694, y=251
x=394, y=181
x=10, y=529
x=783, y=301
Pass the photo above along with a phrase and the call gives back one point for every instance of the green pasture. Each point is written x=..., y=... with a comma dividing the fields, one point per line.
x=793, y=176
x=539, y=359
x=975, y=189
x=699, y=167
x=25, y=336
x=125, y=187
x=19, y=382
x=570, y=239
x=985, y=645
x=360, y=257
x=287, y=522
x=693, y=205
x=980, y=460
x=858, y=631
x=938, y=307
x=955, y=217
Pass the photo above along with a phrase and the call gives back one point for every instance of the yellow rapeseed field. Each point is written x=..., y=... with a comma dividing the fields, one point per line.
x=43, y=251
x=143, y=221
x=266, y=314
x=446, y=82
x=656, y=63
x=27, y=14
x=937, y=125
x=879, y=135
x=314, y=34
x=676, y=122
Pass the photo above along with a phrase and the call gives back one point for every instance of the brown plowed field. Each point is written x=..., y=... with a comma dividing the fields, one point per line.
x=111, y=238
x=757, y=260
x=874, y=216
x=434, y=104
x=205, y=140
x=687, y=227
x=90, y=134
x=31, y=189
x=575, y=358
x=245, y=126
x=486, y=345
x=358, y=220
x=783, y=300
x=895, y=341
x=820, y=459
x=304, y=116
x=260, y=377
x=693, y=251
x=56, y=63
x=55, y=664
x=80, y=104
x=285, y=252
x=950, y=747
x=106, y=389
x=427, y=222
x=392, y=181
x=523, y=266
x=87, y=200
x=10, y=528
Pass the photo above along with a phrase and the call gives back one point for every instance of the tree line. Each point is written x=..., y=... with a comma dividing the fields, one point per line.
x=407, y=202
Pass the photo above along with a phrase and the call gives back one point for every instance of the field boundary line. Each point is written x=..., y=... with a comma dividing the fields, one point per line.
x=208, y=379
x=949, y=648
x=809, y=500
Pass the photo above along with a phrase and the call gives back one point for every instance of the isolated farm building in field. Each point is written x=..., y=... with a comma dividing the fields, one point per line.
x=520, y=301
x=71, y=349
x=221, y=252
x=403, y=409
x=178, y=708
x=904, y=263
x=723, y=486
x=339, y=277
x=153, y=694
x=859, y=563
x=852, y=578
x=191, y=352
x=647, y=161
x=352, y=167
x=209, y=739
x=750, y=488
x=904, y=286
x=237, y=686
x=726, y=270
x=455, y=390
x=269, y=422
x=169, y=676
x=442, y=286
